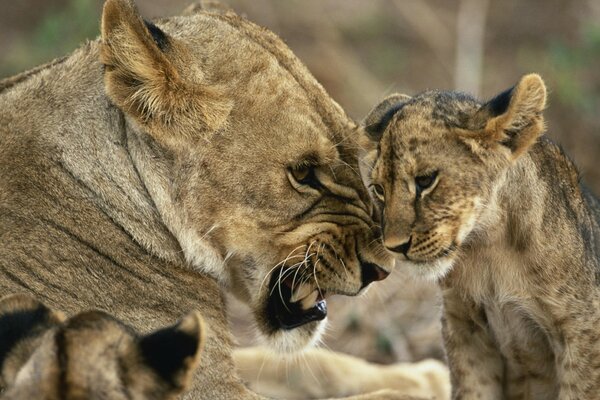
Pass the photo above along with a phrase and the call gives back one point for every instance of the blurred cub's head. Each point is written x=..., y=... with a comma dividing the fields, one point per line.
x=91, y=355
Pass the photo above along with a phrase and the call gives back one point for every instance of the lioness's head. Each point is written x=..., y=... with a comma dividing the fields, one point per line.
x=439, y=158
x=92, y=355
x=251, y=165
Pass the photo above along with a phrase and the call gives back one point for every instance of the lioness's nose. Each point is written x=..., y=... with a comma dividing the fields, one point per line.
x=401, y=247
x=371, y=272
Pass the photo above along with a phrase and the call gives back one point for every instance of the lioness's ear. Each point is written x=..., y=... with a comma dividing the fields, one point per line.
x=173, y=353
x=514, y=117
x=142, y=76
x=23, y=319
x=380, y=116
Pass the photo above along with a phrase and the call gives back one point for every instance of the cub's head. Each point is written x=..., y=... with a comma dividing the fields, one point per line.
x=91, y=355
x=251, y=165
x=439, y=157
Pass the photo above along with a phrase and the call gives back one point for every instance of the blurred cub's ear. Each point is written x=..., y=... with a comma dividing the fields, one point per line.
x=514, y=117
x=376, y=122
x=23, y=321
x=143, y=67
x=174, y=353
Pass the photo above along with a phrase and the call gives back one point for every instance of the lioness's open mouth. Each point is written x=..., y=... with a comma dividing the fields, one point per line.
x=292, y=304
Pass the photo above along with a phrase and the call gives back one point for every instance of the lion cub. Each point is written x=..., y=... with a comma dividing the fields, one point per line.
x=474, y=198
x=91, y=355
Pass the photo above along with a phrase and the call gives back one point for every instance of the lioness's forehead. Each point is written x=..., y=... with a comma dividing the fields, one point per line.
x=256, y=68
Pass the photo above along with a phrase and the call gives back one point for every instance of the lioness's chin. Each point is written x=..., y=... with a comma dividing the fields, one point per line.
x=297, y=339
x=433, y=270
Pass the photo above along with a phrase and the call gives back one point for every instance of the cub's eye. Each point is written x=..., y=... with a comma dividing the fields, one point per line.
x=424, y=182
x=379, y=191
x=304, y=175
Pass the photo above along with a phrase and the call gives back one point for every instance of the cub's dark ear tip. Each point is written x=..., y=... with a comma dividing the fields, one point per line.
x=499, y=104
x=174, y=350
x=22, y=316
x=380, y=116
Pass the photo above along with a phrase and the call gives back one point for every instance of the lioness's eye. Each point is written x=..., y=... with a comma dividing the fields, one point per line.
x=379, y=191
x=423, y=182
x=300, y=173
x=305, y=175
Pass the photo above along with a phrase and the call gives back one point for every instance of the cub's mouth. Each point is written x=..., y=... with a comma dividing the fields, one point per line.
x=293, y=302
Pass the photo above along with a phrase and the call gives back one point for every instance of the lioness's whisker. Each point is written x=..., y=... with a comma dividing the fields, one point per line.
x=280, y=263
x=283, y=275
x=315, y=275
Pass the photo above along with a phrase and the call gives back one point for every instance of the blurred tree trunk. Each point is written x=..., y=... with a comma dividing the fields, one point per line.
x=470, y=44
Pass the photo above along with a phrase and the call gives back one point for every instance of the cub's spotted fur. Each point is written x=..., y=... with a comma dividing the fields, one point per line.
x=472, y=198
x=91, y=356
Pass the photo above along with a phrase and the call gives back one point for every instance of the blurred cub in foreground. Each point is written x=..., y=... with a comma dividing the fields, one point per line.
x=91, y=355
x=474, y=198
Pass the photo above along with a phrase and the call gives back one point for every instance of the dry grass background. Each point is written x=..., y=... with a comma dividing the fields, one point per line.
x=362, y=50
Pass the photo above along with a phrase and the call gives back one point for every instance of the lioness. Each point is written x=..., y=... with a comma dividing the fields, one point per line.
x=470, y=197
x=91, y=355
x=156, y=167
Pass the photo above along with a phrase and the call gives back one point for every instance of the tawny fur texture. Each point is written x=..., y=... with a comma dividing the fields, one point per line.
x=473, y=197
x=320, y=373
x=92, y=356
x=166, y=162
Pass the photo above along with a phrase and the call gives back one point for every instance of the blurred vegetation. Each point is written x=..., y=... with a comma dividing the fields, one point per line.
x=62, y=29
x=363, y=50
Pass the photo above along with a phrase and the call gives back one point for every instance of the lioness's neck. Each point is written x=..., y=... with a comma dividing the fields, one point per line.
x=84, y=135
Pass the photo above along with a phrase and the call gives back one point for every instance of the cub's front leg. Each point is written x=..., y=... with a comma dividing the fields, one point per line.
x=578, y=358
x=476, y=367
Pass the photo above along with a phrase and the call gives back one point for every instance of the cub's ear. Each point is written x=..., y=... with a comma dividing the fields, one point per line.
x=380, y=116
x=207, y=5
x=143, y=76
x=514, y=117
x=23, y=319
x=174, y=353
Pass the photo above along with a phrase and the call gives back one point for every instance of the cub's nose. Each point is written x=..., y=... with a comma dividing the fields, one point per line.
x=371, y=272
x=401, y=248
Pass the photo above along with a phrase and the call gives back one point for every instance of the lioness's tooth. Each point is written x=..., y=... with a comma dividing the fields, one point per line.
x=301, y=292
x=310, y=300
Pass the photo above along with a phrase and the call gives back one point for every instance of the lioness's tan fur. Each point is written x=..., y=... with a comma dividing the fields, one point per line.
x=508, y=231
x=153, y=168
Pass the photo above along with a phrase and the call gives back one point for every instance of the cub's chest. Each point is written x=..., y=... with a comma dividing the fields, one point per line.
x=525, y=348
x=501, y=287
x=522, y=342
